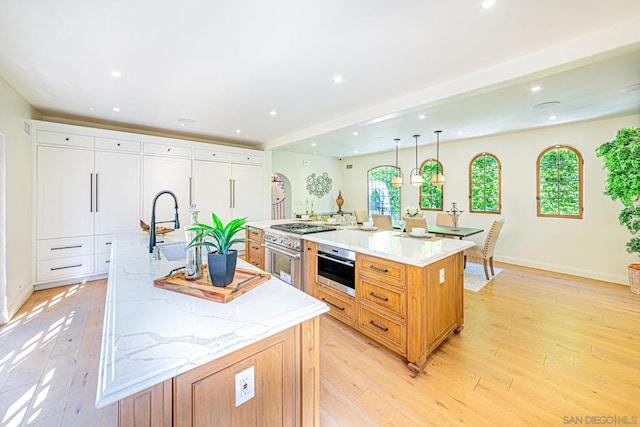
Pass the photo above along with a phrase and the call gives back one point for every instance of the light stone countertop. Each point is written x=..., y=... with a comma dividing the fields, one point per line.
x=393, y=245
x=151, y=334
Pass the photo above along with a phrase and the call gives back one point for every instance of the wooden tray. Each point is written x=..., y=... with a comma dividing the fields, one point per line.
x=202, y=288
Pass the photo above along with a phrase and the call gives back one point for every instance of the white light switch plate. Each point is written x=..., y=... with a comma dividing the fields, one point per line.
x=441, y=275
x=245, y=386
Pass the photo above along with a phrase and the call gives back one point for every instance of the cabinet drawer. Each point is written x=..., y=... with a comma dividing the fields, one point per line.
x=170, y=150
x=387, y=297
x=341, y=306
x=103, y=244
x=214, y=155
x=254, y=159
x=118, y=145
x=65, y=139
x=383, y=329
x=381, y=269
x=58, y=248
x=101, y=263
x=255, y=249
x=255, y=234
x=63, y=268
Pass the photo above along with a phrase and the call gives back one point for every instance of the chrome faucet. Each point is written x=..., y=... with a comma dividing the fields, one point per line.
x=152, y=231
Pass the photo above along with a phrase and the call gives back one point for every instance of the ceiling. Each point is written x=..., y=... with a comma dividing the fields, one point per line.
x=262, y=73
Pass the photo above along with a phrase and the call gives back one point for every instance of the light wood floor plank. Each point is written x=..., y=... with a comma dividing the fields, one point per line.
x=537, y=346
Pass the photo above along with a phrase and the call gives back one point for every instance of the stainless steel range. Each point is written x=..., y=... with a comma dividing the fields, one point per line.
x=283, y=250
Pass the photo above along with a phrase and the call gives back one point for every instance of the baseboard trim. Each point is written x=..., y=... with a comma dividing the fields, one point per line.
x=621, y=279
x=73, y=281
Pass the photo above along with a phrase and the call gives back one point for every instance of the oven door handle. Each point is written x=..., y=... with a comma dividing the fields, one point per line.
x=332, y=259
x=282, y=251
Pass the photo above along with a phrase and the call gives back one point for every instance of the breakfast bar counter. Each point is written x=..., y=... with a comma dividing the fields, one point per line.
x=159, y=347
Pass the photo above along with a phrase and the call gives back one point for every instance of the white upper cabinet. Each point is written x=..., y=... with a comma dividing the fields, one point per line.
x=117, y=198
x=65, y=192
x=248, y=191
x=166, y=173
x=212, y=190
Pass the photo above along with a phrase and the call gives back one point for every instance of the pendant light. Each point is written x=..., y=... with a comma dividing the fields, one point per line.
x=396, y=181
x=437, y=179
x=416, y=177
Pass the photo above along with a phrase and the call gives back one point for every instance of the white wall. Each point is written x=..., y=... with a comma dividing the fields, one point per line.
x=293, y=166
x=592, y=247
x=14, y=110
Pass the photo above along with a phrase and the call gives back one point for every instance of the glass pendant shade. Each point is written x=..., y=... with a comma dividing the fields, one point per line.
x=438, y=179
x=416, y=179
x=396, y=181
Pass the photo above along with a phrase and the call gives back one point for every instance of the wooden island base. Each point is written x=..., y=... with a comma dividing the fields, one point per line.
x=286, y=367
x=410, y=310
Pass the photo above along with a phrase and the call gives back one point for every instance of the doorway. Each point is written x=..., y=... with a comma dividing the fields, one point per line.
x=4, y=313
x=280, y=197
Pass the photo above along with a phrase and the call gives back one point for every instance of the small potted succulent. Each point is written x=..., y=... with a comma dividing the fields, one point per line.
x=218, y=239
x=622, y=162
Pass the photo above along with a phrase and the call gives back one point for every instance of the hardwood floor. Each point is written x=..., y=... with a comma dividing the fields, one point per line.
x=538, y=348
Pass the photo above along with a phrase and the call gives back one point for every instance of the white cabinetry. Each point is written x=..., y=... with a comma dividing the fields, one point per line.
x=91, y=183
x=231, y=190
x=83, y=195
x=166, y=173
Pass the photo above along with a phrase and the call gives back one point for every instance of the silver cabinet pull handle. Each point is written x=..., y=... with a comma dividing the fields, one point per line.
x=67, y=266
x=91, y=193
x=58, y=248
x=96, y=192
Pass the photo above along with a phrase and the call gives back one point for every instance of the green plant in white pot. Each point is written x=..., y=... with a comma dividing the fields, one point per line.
x=218, y=239
x=622, y=162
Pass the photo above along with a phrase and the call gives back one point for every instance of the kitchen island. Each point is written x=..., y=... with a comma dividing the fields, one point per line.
x=408, y=292
x=173, y=359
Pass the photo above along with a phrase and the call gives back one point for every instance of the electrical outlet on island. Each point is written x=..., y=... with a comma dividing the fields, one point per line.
x=245, y=386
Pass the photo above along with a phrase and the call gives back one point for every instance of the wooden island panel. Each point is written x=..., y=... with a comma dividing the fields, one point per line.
x=287, y=387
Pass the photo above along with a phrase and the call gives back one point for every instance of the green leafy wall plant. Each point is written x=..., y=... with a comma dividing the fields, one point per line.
x=622, y=162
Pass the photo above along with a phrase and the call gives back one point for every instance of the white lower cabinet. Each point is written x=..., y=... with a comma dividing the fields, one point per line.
x=64, y=268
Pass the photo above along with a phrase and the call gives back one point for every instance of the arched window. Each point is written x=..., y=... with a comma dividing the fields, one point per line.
x=431, y=196
x=383, y=198
x=485, y=184
x=559, y=173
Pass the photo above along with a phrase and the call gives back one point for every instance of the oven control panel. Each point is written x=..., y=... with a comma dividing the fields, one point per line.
x=283, y=240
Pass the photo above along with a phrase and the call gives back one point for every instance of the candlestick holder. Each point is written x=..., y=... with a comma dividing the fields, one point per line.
x=455, y=214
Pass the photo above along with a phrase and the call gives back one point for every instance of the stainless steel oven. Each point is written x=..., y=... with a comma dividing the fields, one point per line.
x=337, y=268
x=283, y=257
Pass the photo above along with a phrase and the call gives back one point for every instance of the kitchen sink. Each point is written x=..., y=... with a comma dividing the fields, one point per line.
x=173, y=251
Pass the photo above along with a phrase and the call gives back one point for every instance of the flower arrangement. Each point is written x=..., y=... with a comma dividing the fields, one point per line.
x=411, y=211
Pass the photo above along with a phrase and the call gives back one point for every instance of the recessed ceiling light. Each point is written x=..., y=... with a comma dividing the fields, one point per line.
x=552, y=117
x=185, y=121
x=337, y=79
x=116, y=109
x=116, y=73
x=355, y=151
x=355, y=133
x=313, y=144
x=486, y=4
x=92, y=109
x=238, y=131
x=246, y=135
x=535, y=89
x=460, y=133
x=422, y=116
x=273, y=112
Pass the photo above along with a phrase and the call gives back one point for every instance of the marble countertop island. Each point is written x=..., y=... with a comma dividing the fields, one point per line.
x=151, y=334
x=390, y=244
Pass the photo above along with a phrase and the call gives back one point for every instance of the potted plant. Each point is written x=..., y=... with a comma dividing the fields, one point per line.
x=221, y=259
x=622, y=161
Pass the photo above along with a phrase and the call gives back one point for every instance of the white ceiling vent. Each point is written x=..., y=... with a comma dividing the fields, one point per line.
x=26, y=127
